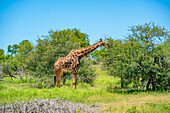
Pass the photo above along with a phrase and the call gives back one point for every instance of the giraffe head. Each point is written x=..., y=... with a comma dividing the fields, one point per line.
x=104, y=43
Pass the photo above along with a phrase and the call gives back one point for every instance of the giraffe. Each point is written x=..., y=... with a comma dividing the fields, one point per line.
x=72, y=61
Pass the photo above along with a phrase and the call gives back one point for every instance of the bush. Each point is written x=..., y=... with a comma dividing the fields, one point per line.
x=44, y=82
x=86, y=72
x=95, y=62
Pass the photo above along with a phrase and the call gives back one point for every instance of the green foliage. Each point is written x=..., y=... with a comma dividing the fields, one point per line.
x=43, y=82
x=95, y=62
x=153, y=55
x=132, y=110
x=86, y=72
x=9, y=66
x=2, y=56
x=13, y=63
x=24, y=48
x=40, y=61
x=13, y=49
x=140, y=60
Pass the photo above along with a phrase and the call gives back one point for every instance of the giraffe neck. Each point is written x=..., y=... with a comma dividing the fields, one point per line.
x=85, y=51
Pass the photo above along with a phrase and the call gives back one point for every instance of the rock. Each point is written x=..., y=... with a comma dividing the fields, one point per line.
x=47, y=106
x=94, y=105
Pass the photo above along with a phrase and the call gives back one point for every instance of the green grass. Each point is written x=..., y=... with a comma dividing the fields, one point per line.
x=134, y=102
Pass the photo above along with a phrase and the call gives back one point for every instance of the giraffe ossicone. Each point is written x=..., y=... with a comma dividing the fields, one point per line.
x=72, y=61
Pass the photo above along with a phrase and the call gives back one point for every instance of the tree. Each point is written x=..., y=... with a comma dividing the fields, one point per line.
x=86, y=73
x=142, y=59
x=2, y=56
x=23, y=49
x=40, y=61
x=151, y=61
x=13, y=49
x=14, y=63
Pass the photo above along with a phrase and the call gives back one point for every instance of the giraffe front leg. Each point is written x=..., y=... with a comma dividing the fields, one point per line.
x=58, y=82
x=57, y=78
x=74, y=80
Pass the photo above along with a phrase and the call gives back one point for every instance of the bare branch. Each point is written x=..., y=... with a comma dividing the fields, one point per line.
x=160, y=62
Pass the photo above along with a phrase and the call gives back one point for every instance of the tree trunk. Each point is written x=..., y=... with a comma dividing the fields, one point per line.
x=20, y=73
x=151, y=81
x=64, y=80
x=142, y=84
x=153, y=84
x=152, y=75
x=122, y=86
x=147, y=86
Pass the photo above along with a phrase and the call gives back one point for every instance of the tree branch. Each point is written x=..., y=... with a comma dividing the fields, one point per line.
x=160, y=62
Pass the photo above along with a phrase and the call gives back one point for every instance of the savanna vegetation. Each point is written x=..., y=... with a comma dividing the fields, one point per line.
x=131, y=76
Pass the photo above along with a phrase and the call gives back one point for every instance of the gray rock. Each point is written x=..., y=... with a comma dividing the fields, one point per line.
x=47, y=106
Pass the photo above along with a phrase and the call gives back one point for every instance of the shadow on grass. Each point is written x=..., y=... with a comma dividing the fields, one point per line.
x=128, y=90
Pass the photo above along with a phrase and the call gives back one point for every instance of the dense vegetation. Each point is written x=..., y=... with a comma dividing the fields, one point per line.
x=38, y=61
x=136, y=65
x=142, y=59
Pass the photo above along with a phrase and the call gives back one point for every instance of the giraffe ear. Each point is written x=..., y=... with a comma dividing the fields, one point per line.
x=100, y=40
